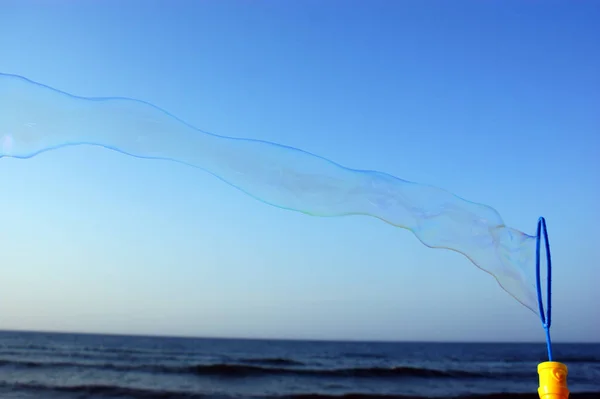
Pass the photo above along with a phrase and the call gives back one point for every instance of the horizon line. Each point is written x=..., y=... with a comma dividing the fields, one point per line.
x=267, y=338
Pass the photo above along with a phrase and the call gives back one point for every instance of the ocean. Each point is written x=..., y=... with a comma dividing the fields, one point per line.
x=68, y=366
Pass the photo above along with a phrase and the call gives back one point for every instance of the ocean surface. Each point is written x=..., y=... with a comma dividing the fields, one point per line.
x=53, y=366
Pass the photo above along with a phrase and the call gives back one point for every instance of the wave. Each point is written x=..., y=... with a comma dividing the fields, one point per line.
x=365, y=356
x=563, y=359
x=119, y=391
x=367, y=372
x=578, y=395
x=275, y=361
x=103, y=391
x=231, y=370
x=579, y=359
x=111, y=355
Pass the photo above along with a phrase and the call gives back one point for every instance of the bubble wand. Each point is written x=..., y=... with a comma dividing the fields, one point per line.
x=553, y=375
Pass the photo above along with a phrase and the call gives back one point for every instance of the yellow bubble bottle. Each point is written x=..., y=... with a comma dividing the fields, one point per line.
x=553, y=380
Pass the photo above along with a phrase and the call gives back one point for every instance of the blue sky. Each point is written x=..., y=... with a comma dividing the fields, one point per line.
x=494, y=101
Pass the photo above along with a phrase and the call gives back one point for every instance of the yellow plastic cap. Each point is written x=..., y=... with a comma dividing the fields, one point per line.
x=553, y=380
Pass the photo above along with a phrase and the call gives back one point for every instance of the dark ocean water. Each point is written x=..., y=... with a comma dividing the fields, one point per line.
x=53, y=366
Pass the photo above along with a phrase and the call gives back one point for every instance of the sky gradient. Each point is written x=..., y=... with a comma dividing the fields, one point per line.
x=496, y=102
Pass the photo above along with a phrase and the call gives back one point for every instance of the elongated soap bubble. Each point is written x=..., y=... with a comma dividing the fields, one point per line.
x=35, y=118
